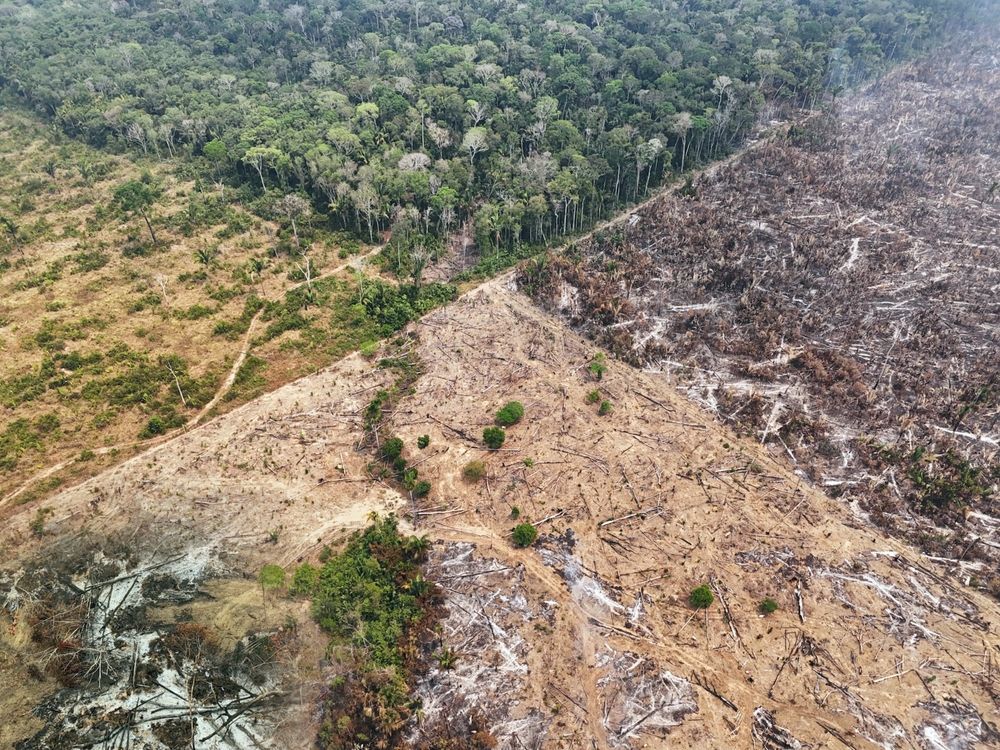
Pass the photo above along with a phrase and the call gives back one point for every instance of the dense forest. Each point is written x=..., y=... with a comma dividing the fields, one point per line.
x=533, y=119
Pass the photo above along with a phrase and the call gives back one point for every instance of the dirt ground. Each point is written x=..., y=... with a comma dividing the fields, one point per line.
x=585, y=639
x=833, y=292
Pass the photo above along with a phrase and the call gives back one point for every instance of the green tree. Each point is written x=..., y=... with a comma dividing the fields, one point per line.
x=701, y=597
x=494, y=437
x=137, y=197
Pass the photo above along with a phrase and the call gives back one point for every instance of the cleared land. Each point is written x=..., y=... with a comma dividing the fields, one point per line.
x=587, y=636
x=833, y=292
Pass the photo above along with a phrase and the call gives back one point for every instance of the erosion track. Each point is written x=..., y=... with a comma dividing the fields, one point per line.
x=356, y=263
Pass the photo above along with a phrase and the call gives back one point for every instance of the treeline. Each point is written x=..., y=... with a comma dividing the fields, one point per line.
x=532, y=118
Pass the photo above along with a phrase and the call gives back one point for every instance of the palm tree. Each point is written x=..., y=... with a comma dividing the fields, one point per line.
x=418, y=546
x=206, y=255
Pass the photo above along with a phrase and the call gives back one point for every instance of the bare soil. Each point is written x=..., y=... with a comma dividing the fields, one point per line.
x=585, y=639
x=833, y=293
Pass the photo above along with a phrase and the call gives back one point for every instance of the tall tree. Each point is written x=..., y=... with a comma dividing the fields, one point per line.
x=137, y=197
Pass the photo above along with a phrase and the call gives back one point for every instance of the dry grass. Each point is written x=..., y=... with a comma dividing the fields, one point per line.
x=74, y=292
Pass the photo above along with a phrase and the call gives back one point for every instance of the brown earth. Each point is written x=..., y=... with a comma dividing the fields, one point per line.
x=585, y=639
x=833, y=292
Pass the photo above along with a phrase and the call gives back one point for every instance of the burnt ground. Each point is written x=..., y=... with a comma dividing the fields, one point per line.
x=833, y=292
x=585, y=639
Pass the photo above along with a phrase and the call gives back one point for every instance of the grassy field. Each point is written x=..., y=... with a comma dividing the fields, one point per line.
x=110, y=340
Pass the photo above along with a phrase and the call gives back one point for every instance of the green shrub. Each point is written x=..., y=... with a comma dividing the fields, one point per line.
x=305, y=580
x=510, y=414
x=392, y=449
x=155, y=426
x=598, y=366
x=524, y=535
x=494, y=437
x=594, y=396
x=768, y=607
x=446, y=657
x=701, y=597
x=368, y=349
x=373, y=412
x=423, y=441
x=605, y=408
x=474, y=471
x=421, y=488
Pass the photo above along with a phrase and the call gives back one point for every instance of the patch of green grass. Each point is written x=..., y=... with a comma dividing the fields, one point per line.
x=249, y=381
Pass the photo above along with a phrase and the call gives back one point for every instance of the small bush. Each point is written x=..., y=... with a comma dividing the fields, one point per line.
x=594, y=396
x=155, y=426
x=515, y=513
x=305, y=580
x=421, y=488
x=368, y=349
x=701, y=597
x=605, y=408
x=446, y=657
x=392, y=449
x=474, y=471
x=598, y=366
x=768, y=606
x=423, y=441
x=494, y=437
x=524, y=535
x=510, y=414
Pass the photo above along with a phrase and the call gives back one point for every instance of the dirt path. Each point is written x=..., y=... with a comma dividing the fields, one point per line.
x=356, y=263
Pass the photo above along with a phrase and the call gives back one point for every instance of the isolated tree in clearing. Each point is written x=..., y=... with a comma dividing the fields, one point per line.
x=494, y=437
x=701, y=597
x=524, y=535
x=137, y=197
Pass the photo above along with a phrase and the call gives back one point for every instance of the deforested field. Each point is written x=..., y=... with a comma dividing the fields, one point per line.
x=499, y=376
x=833, y=293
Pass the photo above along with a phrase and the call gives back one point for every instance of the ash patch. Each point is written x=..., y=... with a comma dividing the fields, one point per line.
x=641, y=698
x=954, y=725
x=126, y=680
x=908, y=601
x=586, y=587
x=482, y=657
x=766, y=731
